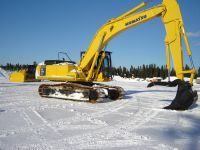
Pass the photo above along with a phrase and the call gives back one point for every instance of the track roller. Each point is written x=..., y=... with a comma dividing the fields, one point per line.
x=93, y=96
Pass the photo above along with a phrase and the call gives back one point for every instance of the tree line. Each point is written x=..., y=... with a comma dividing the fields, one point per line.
x=147, y=71
x=143, y=71
x=16, y=67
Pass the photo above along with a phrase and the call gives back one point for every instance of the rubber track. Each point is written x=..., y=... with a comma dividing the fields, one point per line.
x=92, y=93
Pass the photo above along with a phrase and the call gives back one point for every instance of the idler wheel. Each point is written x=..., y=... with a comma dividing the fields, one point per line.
x=93, y=96
x=113, y=94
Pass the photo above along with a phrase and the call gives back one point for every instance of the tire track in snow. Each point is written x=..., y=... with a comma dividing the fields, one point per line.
x=15, y=103
x=103, y=137
x=31, y=127
x=122, y=130
x=45, y=121
x=125, y=127
x=92, y=118
x=5, y=133
x=27, y=118
x=1, y=90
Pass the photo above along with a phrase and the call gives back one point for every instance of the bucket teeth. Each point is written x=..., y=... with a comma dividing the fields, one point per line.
x=80, y=92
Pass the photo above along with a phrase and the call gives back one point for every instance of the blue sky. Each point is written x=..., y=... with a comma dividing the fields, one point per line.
x=35, y=30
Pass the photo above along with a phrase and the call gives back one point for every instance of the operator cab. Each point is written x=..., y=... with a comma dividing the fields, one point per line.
x=106, y=67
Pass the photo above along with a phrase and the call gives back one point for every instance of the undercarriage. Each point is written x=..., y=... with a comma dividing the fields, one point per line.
x=88, y=92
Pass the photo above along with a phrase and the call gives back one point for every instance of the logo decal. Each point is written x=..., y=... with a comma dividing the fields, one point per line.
x=136, y=20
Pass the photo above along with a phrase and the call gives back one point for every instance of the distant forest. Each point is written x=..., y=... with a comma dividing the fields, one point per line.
x=148, y=71
x=144, y=71
x=16, y=67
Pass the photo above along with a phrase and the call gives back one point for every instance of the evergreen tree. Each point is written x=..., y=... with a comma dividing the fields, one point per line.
x=114, y=71
x=132, y=71
x=158, y=71
x=162, y=74
x=187, y=68
x=199, y=72
x=143, y=73
x=165, y=72
x=173, y=73
x=35, y=63
x=154, y=74
x=151, y=71
x=135, y=72
x=147, y=71
x=140, y=72
x=8, y=66
x=119, y=71
x=124, y=72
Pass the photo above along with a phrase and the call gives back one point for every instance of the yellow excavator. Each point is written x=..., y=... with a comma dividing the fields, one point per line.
x=95, y=63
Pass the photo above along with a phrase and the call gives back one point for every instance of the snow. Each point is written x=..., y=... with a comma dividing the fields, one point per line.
x=118, y=78
x=29, y=122
x=172, y=78
x=4, y=74
x=73, y=96
x=41, y=63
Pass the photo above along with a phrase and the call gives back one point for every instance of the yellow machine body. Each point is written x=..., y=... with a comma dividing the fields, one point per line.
x=64, y=73
x=56, y=70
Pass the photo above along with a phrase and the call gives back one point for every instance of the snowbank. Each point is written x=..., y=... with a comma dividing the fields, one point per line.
x=172, y=78
x=4, y=74
x=118, y=78
x=198, y=80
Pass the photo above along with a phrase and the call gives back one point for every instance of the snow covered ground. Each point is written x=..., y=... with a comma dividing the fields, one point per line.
x=29, y=122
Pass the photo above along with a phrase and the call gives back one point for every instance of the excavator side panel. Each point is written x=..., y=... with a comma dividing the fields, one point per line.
x=59, y=72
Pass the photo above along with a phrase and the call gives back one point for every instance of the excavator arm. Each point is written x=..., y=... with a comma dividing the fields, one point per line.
x=171, y=17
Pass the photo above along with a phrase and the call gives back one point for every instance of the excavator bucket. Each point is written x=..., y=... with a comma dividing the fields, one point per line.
x=24, y=75
x=19, y=76
x=185, y=96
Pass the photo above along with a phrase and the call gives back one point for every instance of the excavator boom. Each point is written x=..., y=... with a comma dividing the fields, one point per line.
x=172, y=19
